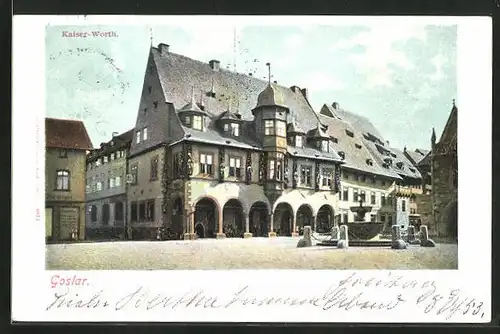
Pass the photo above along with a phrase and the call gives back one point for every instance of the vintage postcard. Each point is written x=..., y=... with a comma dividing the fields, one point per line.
x=247, y=169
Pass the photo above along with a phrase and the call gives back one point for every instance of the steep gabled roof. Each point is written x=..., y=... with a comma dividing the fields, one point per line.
x=359, y=122
x=178, y=74
x=426, y=161
x=357, y=156
x=65, y=133
x=375, y=143
x=416, y=156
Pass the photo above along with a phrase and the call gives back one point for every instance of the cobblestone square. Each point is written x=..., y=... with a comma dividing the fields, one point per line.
x=255, y=253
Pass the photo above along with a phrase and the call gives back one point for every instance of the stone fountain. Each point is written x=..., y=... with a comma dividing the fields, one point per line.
x=359, y=229
x=360, y=233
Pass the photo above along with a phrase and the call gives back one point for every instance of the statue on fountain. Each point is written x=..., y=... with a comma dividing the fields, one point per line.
x=360, y=211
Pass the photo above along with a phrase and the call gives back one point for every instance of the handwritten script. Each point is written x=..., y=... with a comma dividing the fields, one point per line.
x=353, y=293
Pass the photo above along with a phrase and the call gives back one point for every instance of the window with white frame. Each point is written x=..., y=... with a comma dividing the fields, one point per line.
x=206, y=164
x=62, y=180
x=105, y=160
x=145, y=134
x=327, y=177
x=197, y=123
x=272, y=169
x=280, y=128
x=138, y=137
x=226, y=127
x=324, y=145
x=235, y=129
x=298, y=141
x=306, y=175
x=235, y=167
x=269, y=127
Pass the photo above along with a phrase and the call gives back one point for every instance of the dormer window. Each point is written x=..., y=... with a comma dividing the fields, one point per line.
x=335, y=140
x=197, y=123
x=324, y=145
x=187, y=120
x=349, y=133
x=298, y=141
x=369, y=162
x=232, y=129
x=357, y=146
x=342, y=154
x=235, y=129
x=400, y=165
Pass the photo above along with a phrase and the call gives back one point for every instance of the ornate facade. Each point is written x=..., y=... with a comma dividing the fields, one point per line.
x=444, y=164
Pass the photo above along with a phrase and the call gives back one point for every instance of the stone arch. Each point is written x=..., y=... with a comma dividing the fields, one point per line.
x=258, y=216
x=206, y=212
x=451, y=219
x=304, y=217
x=325, y=218
x=233, y=220
x=283, y=219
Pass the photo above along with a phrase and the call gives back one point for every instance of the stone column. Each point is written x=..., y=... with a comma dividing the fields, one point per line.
x=343, y=241
x=271, y=233
x=397, y=242
x=424, y=237
x=191, y=223
x=247, y=233
x=294, y=226
x=220, y=216
x=314, y=223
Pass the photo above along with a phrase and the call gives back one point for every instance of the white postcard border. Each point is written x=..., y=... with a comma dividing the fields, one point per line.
x=31, y=292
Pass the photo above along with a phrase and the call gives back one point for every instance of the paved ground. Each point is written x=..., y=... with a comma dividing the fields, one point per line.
x=255, y=253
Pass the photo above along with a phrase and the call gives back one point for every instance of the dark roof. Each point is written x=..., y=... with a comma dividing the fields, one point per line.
x=65, y=133
x=118, y=142
x=294, y=127
x=356, y=157
x=426, y=161
x=359, y=122
x=179, y=74
x=271, y=96
x=376, y=144
x=417, y=155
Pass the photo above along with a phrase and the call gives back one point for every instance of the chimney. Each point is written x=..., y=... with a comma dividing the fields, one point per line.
x=163, y=48
x=305, y=93
x=335, y=105
x=214, y=65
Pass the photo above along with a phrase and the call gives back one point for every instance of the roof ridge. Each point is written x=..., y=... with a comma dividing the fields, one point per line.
x=221, y=69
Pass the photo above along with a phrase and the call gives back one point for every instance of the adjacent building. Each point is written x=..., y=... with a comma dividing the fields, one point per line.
x=67, y=143
x=444, y=165
x=106, y=188
x=221, y=154
x=380, y=174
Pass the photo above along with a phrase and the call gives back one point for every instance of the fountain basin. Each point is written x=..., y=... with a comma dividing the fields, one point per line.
x=364, y=230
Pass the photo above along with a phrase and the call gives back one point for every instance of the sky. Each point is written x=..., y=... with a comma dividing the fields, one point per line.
x=403, y=78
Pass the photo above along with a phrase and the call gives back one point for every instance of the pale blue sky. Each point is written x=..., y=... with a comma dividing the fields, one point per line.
x=403, y=78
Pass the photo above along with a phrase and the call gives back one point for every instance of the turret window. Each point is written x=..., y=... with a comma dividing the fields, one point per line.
x=274, y=127
x=187, y=120
x=281, y=128
x=269, y=128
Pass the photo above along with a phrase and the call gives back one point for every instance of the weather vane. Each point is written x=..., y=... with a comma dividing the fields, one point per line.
x=268, y=72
